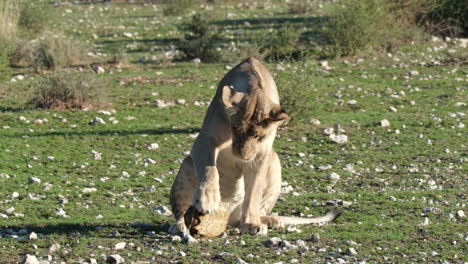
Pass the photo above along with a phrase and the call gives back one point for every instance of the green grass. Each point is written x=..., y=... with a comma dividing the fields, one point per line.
x=384, y=230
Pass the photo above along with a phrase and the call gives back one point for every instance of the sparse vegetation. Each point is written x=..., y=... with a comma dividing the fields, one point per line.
x=68, y=90
x=55, y=51
x=201, y=40
x=34, y=17
x=177, y=7
x=281, y=43
x=358, y=24
x=99, y=183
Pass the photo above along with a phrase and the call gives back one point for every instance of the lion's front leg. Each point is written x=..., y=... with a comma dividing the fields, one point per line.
x=207, y=196
x=254, y=180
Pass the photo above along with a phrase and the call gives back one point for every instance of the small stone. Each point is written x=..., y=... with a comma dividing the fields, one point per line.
x=98, y=69
x=125, y=174
x=272, y=241
x=29, y=259
x=333, y=177
x=60, y=212
x=180, y=101
x=328, y=131
x=54, y=248
x=176, y=238
x=315, y=237
x=115, y=259
x=32, y=236
x=461, y=213
x=314, y=121
x=119, y=246
x=162, y=210
x=393, y=109
x=89, y=190
x=339, y=139
x=182, y=254
x=384, y=123
x=128, y=34
x=351, y=252
x=153, y=146
x=392, y=198
x=96, y=155
x=239, y=261
x=34, y=180
x=96, y=121
x=188, y=239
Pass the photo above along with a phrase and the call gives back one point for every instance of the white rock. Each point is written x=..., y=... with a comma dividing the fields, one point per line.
x=339, y=139
x=182, y=254
x=393, y=109
x=153, y=146
x=54, y=248
x=127, y=34
x=29, y=259
x=188, y=239
x=149, y=160
x=89, y=190
x=115, y=259
x=384, y=123
x=460, y=125
x=96, y=121
x=119, y=246
x=328, y=131
x=352, y=102
x=240, y=261
x=125, y=174
x=34, y=180
x=314, y=121
x=60, y=212
x=4, y=216
x=162, y=210
x=333, y=177
x=392, y=198
x=351, y=252
x=180, y=101
x=32, y=236
x=98, y=69
x=460, y=213
x=96, y=155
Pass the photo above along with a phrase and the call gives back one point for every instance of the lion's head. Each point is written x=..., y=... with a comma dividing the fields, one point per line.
x=253, y=117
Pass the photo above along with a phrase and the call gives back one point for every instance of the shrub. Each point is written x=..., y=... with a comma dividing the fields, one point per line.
x=66, y=90
x=447, y=18
x=33, y=18
x=54, y=51
x=177, y=7
x=358, y=24
x=300, y=7
x=282, y=43
x=296, y=92
x=5, y=50
x=200, y=40
x=9, y=14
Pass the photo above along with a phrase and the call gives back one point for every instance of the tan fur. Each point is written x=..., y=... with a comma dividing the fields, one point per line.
x=232, y=165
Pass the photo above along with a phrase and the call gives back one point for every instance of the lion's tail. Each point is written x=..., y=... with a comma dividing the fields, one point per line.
x=279, y=221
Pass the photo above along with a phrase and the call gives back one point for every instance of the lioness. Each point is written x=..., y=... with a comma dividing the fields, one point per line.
x=232, y=164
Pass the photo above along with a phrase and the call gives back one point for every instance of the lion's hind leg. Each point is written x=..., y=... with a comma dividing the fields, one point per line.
x=181, y=195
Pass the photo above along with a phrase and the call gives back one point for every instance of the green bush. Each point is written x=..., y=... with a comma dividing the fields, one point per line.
x=177, y=7
x=358, y=24
x=5, y=50
x=200, y=40
x=34, y=17
x=282, y=43
x=448, y=18
x=54, y=51
x=68, y=90
x=296, y=92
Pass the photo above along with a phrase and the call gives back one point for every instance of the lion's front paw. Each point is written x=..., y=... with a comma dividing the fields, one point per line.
x=254, y=229
x=207, y=199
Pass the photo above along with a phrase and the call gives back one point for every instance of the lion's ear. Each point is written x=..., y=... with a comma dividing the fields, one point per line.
x=231, y=98
x=226, y=95
x=277, y=114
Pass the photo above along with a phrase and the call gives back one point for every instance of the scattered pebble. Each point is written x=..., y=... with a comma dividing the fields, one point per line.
x=115, y=259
